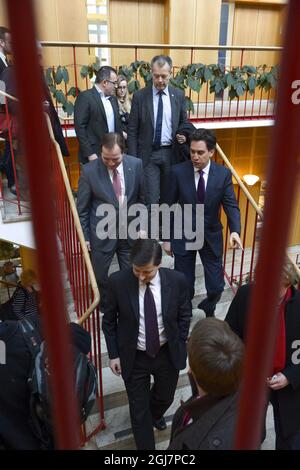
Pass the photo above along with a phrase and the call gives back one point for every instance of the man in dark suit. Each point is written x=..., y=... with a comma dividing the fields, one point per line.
x=202, y=181
x=146, y=325
x=156, y=113
x=206, y=421
x=105, y=185
x=5, y=47
x=96, y=112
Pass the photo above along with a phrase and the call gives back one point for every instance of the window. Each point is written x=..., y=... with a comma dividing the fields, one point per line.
x=98, y=32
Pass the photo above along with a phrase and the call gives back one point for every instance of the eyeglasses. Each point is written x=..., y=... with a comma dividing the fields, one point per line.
x=114, y=83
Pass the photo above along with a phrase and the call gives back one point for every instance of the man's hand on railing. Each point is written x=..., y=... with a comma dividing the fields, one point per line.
x=167, y=248
x=115, y=366
x=88, y=245
x=235, y=241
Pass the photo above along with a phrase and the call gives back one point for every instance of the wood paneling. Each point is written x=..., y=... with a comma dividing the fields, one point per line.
x=259, y=25
x=136, y=21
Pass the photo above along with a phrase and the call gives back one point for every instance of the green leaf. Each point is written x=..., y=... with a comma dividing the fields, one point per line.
x=133, y=86
x=95, y=66
x=251, y=84
x=48, y=76
x=68, y=107
x=52, y=89
x=194, y=84
x=229, y=79
x=240, y=89
x=189, y=104
x=65, y=75
x=60, y=96
x=72, y=91
x=58, y=75
x=84, y=71
x=232, y=93
x=207, y=74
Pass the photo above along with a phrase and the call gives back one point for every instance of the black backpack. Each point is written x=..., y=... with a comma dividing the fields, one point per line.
x=38, y=381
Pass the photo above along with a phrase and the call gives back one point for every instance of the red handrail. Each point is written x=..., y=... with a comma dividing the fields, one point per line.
x=36, y=146
x=279, y=201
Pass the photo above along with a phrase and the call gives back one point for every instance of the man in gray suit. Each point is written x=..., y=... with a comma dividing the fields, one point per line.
x=96, y=112
x=106, y=186
x=156, y=113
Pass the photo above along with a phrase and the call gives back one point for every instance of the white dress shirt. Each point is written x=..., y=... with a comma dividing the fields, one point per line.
x=110, y=117
x=166, y=130
x=3, y=57
x=155, y=286
x=205, y=175
x=120, y=171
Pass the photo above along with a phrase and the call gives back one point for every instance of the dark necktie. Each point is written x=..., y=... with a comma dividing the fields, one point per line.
x=151, y=326
x=117, y=184
x=201, y=188
x=159, y=120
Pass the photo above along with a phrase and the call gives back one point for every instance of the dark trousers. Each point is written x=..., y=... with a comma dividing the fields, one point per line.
x=6, y=165
x=212, y=265
x=283, y=443
x=101, y=262
x=157, y=172
x=146, y=404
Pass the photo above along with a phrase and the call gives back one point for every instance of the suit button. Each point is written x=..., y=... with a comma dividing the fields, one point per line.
x=216, y=442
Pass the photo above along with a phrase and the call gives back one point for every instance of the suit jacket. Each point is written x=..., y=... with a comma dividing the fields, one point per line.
x=90, y=122
x=95, y=189
x=140, y=128
x=289, y=396
x=219, y=191
x=121, y=318
x=213, y=425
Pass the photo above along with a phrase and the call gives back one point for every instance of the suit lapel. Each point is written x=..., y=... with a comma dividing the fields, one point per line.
x=128, y=176
x=173, y=110
x=133, y=292
x=191, y=178
x=150, y=103
x=165, y=292
x=211, y=180
x=99, y=102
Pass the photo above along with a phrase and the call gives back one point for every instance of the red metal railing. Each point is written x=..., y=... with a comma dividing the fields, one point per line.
x=80, y=273
x=207, y=107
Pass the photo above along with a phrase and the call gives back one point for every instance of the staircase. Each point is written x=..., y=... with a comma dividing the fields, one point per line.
x=118, y=435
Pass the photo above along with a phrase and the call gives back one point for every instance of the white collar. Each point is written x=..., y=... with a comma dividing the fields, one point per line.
x=205, y=170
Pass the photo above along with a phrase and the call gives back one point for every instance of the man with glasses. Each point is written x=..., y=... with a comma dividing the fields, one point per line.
x=96, y=113
x=103, y=186
x=156, y=113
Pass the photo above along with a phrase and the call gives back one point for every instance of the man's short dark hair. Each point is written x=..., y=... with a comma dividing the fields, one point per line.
x=215, y=357
x=104, y=73
x=3, y=31
x=161, y=60
x=145, y=251
x=111, y=139
x=206, y=135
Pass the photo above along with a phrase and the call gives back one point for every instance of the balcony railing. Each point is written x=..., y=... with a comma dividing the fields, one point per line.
x=206, y=106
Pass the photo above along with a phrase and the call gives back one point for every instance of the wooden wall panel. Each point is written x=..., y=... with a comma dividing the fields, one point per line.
x=259, y=25
x=136, y=21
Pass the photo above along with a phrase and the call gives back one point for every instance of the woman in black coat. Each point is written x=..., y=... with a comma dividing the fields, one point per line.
x=284, y=385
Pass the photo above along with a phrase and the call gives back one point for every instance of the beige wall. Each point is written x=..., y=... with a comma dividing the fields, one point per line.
x=136, y=21
x=259, y=25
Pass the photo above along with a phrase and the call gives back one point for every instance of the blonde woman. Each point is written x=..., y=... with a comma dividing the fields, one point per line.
x=124, y=102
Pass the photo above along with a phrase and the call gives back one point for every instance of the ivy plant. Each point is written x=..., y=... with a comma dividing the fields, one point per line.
x=237, y=80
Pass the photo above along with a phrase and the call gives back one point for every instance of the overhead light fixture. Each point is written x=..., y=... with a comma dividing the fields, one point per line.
x=250, y=180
